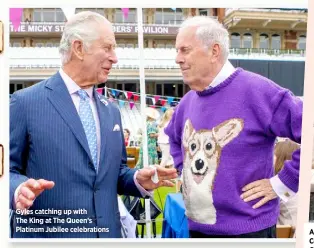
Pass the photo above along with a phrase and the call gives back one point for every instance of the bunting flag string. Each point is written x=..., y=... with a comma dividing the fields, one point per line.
x=136, y=97
x=100, y=91
x=129, y=94
x=131, y=105
x=156, y=99
x=16, y=17
x=125, y=12
x=122, y=104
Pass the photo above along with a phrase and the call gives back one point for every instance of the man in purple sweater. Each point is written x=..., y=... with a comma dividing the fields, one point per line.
x=222, y=137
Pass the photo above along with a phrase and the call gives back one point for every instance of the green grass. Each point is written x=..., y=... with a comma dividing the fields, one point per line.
x=160, y=199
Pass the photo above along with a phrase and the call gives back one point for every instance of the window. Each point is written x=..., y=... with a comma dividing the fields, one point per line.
x=16, y=86
x=121, y=45
x=275, y=41
x=16, y=44
x=169, y=46
x=39, y=44
x=168, y=16
x=160, y=45
x=49, y=44
x=203, y=12
x=264, y=41
x=159, y=89
x=302, y=42
x=100, y=11
x=130, y=87
x=247, y=40
x=130, y=45
x=119, y=16
x=235, y=40
x=48, y=15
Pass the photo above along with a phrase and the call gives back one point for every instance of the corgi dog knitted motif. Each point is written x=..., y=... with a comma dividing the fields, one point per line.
x=203, y=149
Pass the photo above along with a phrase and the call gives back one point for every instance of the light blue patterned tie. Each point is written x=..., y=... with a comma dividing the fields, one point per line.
x=87, y=118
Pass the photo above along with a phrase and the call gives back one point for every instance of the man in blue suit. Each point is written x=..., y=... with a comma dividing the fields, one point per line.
x=67, y=153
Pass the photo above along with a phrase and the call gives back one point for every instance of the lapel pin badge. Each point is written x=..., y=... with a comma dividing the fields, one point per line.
x=102, y=100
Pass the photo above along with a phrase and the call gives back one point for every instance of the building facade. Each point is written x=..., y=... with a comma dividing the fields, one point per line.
x=252, y=31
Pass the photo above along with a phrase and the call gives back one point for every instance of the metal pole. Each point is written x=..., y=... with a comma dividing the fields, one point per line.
x=143, y=105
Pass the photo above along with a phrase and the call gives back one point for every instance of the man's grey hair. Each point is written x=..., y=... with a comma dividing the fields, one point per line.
x=83, y=27
x=209, y=31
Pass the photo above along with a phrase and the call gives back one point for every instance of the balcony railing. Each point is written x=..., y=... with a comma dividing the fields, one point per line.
x=270, y=52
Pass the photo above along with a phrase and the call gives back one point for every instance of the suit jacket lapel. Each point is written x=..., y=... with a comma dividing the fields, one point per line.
x=104, y=123
x=62, y=101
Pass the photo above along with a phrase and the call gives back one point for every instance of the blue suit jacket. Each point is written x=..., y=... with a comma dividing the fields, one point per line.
x=47, y=140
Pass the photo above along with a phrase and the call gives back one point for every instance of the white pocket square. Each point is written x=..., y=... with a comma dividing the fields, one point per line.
x=116, y=128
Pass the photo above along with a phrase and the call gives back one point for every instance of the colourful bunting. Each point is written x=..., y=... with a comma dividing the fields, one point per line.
x=16, y=17
x=163, y=109
x=129, y=95
x=136, y=97
x=131, y=105
x=157, y=98
x=125, y=12
x=121, y=103
x=114, y=92
x=163, y=102
x=170, y=100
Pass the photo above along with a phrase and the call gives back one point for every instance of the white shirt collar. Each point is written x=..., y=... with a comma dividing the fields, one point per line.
x=72, y=86
x=224, y=73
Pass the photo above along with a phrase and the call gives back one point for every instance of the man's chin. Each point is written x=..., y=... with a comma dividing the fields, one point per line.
x=102, y=80
x=188, y=83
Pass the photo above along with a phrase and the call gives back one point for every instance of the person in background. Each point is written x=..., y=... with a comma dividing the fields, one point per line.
x=152, y=134
x=288, y=210
x=138, y=137
x=127, y=134
x=163, y=139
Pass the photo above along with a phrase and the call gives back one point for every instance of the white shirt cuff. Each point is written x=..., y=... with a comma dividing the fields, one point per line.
x=283, y=192
x=143, y=191
x=16, y=194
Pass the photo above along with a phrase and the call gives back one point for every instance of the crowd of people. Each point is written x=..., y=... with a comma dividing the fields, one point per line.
x=157, y=141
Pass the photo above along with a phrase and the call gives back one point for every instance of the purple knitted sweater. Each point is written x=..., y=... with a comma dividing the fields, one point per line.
x=222, y=139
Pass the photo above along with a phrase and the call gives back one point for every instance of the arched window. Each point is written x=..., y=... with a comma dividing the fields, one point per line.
x=247, y=40
x=275, y=41
x=302, y=42
x=264, y=41
x=235, y=40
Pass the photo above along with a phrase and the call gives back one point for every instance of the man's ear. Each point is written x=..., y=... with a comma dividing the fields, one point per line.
x=78, y=49
x=216, y=52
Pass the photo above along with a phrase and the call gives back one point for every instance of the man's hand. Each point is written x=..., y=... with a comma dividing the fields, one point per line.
x=164, y=175
x=259, y=189
x=29, y=190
